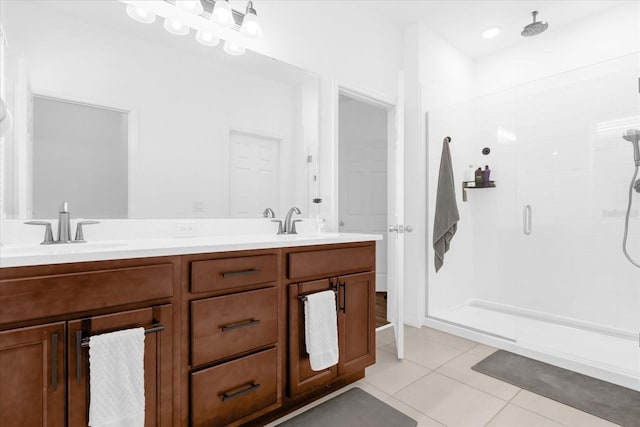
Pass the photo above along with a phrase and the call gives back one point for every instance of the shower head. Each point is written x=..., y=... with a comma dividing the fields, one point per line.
x=633, y=136
x=534, y=28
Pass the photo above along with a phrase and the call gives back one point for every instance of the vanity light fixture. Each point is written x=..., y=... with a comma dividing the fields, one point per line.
x=141, y=15
x=190, y=6
x=176, y=27
x=250, y=25
x=234, y=48
x=207, y=38
x=222, y=14
x=213, y=20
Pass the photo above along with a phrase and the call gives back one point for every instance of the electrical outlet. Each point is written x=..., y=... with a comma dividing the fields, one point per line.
x=185, y=229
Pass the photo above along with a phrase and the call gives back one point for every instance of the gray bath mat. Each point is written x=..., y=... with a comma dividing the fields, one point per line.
x=600, y=398
x=354, y=408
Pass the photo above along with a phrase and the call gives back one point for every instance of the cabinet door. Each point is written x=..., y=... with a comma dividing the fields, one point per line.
x=356, y=322
x=301, y=377
x=158, y=362
x=32, y=382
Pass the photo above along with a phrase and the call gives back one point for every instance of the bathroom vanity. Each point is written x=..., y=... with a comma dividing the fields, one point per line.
x=224, y=341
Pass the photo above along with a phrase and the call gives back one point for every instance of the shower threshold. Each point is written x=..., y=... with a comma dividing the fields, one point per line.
x=607, y=354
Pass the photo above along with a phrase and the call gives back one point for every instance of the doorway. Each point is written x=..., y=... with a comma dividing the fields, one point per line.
x=363, y=134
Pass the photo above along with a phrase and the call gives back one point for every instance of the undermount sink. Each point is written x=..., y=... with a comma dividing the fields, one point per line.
x=64, y=248
x=308, y=236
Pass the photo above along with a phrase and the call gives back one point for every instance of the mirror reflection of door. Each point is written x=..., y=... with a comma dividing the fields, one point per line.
x=80, y=155
x=254, y=168
x=362, y=177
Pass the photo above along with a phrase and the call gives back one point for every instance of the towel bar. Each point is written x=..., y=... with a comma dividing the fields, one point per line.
x=303, y=298
x=157, y=327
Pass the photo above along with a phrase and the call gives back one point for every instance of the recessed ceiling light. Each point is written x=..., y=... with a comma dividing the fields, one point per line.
x=490, y=33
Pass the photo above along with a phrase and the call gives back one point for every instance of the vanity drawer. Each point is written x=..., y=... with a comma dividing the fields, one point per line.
x=229, y=273
x=331, y=262
x=232, y=324
x=58, y=294
x=233, y=390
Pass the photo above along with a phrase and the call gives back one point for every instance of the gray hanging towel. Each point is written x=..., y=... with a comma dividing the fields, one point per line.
x=447, y=216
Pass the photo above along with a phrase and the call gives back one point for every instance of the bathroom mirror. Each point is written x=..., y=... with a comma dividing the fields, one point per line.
x=124, y=120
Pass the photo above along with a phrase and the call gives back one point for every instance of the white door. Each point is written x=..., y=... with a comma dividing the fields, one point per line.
x=395, y=262
x=254, y=181
x=377, y=167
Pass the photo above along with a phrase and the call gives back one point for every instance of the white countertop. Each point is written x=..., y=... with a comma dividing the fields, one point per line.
x=19, y=256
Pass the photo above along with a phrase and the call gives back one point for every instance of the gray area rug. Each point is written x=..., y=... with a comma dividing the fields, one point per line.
x=354, y=408
x=617, y=404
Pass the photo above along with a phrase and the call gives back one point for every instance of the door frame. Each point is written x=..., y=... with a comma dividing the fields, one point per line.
x=395, y=133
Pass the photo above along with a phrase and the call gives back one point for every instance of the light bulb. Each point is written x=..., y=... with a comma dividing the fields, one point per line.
x=222, y=13
x=190, y=6
x=176, y=27
x=207, y=38
x=234, y=48
x=141, y=15
x=250, y=26
x=491, y=32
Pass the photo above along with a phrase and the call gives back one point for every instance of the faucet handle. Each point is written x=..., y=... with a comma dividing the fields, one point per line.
x=79, y=230
x=293, y=226
x=48, y=234
x=279, y=221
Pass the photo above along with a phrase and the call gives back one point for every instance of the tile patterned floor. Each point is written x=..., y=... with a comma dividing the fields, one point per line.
x=435, y=385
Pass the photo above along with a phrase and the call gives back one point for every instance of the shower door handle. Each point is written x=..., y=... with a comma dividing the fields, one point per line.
x=526, y=220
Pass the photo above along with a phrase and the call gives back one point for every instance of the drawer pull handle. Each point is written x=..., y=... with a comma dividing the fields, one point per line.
x=252, y=387
x=241, y=273
x=240, y=325
x=54, y=361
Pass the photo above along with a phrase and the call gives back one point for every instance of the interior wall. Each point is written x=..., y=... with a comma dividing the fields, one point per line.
x=442, y=76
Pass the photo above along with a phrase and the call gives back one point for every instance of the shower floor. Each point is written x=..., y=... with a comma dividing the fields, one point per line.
x=611, y=358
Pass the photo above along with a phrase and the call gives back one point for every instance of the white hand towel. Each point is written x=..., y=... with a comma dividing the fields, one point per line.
x=116, y=378
x=321, y=329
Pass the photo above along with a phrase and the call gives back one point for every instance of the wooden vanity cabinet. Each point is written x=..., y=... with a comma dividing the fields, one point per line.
x=32, y=383
x=231, y=351
x=158, y=348
x=47, y=310
x=234, y=307
x=355, y=311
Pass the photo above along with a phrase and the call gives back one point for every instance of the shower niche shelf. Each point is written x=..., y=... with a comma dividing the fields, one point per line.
x=471, y=185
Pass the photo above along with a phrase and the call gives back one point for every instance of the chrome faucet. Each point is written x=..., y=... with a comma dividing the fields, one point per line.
x=268, y=213
x=64, y=228
x=64, y=223
x=289, y=225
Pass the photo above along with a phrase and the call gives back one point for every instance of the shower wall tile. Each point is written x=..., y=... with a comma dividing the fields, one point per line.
x=569, y=162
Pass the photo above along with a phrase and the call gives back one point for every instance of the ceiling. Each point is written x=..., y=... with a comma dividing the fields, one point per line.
x=461, y=22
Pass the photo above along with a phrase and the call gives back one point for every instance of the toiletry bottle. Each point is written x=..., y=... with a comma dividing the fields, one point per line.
x=479, y=178
x=319, y=220
x=485, y=175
